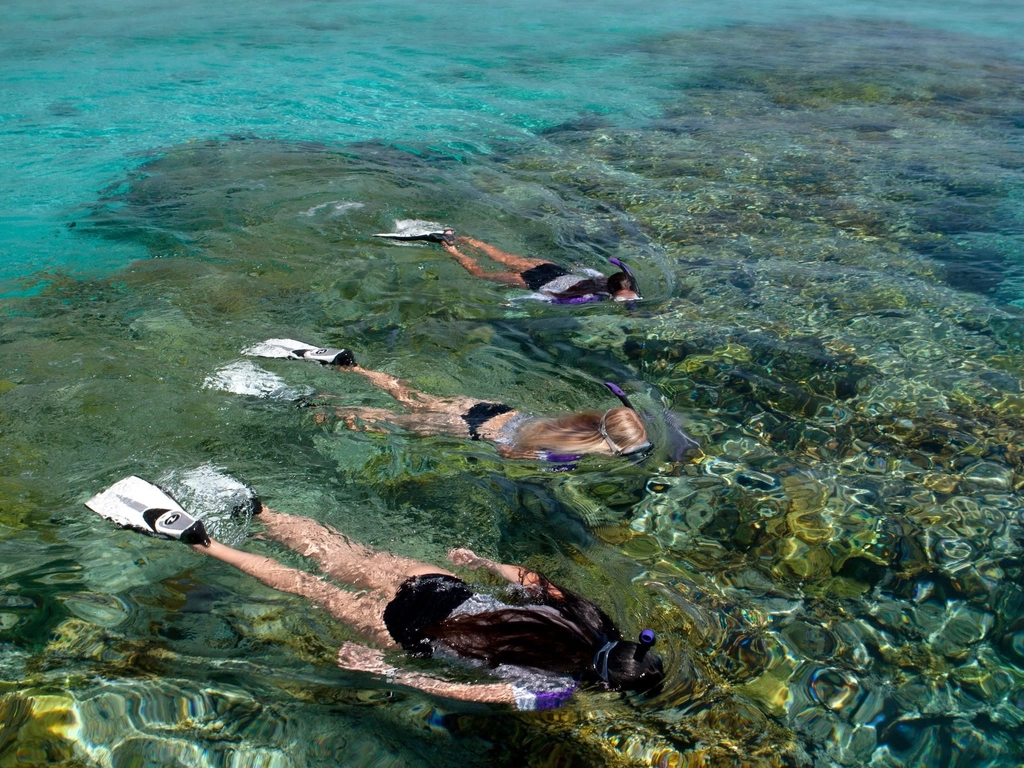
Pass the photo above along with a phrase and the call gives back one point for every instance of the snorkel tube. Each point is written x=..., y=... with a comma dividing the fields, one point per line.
x=679, y=443
x=644, y=643
x=642, y=451
x=617, y=391
x=633, y=284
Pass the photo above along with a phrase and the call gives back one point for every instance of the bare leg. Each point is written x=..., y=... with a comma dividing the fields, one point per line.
x=472, y=266
x=518, y=263
x=340, y=557
x=377, y=419
x=361, y=419
x=413, y=398
x=362, y=611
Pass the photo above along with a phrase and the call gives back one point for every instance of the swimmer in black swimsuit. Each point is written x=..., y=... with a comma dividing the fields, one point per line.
x=541, y=646
x=480, y=414
x=617, y=431
x=550, y=281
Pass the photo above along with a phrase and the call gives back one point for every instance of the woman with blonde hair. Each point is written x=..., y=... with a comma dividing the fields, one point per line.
x=616, y=431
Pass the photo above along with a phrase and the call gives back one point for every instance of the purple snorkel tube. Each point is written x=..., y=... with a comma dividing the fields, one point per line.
x=642, y=451
x=645, y=642
x=678, y=442
x=617, y=391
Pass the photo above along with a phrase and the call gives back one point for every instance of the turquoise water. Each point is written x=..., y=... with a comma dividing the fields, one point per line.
x=825, y=210
x=89, y=88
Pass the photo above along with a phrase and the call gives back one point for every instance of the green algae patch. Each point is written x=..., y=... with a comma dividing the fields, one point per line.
x=827, y=278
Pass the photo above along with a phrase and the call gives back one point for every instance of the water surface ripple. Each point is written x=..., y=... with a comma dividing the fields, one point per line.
x=825, y=213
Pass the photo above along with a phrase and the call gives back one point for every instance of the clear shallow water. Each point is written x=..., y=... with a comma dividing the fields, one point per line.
x=826, y=215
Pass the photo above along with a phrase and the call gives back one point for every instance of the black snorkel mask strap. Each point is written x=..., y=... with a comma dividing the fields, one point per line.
x=633, y=284
x=644, y=643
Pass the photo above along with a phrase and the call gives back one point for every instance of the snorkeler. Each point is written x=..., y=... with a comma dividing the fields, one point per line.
x=616, y=431
x=548, y=280
x=542, y=645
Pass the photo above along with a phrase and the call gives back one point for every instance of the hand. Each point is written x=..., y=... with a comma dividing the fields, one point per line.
x=467, y=558
x=362, y=659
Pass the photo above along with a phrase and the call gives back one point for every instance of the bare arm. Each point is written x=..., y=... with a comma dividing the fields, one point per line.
x=515, y=574
x=363, y=659
x=493, y=693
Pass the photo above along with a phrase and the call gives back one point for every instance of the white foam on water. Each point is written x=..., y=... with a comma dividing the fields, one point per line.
x=246, y=378
x=340, y=206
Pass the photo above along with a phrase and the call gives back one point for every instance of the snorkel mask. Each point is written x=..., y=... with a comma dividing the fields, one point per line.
x=641, y=451
x=633, y=284
x=663, y=424
x=644, y=643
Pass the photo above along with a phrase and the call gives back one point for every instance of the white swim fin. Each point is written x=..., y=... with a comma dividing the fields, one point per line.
x=415, y=229
x=299, y=350
x=133, y=503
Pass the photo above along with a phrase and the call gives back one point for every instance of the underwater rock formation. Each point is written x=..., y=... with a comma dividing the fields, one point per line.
x=832, y=244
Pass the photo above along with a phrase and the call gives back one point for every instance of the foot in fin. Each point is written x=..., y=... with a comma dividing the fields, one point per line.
x=299, y=350
x=447, y=237
x=140, y=506
x=340, y=357
x=410, y=230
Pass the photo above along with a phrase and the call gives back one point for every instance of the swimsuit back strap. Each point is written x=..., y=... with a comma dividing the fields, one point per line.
x=480, y=414
x=528, y=700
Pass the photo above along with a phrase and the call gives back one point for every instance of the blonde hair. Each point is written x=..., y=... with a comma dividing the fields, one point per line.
x=581, y=432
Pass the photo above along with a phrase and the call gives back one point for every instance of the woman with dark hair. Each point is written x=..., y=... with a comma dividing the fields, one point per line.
x=542, y=644
x=616, y=431
x=549, y=281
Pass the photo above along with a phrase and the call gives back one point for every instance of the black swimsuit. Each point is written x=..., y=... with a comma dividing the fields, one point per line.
x=480, y=414
x=542, y=274
x=422, y=602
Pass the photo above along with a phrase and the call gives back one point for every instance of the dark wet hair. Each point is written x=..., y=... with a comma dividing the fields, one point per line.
x=620, y=281
x=628, y=673
x=558, y=632
x=590, y=286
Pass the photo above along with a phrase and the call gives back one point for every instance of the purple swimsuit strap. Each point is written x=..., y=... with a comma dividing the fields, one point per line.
x=564, y=462
x=561, y=458
x=576, y=300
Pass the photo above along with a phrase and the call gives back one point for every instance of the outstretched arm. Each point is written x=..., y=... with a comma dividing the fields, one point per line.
x=360, y=658
x=516, y=574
